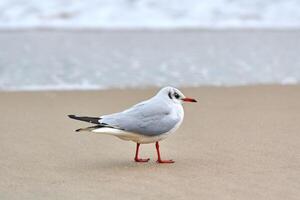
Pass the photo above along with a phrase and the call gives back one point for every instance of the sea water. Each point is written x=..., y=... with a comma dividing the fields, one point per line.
x=42, y=60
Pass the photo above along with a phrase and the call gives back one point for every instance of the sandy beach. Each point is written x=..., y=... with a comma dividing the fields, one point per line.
x=235, y=143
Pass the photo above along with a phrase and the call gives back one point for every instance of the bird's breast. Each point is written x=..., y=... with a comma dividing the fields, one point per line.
x=178, y=115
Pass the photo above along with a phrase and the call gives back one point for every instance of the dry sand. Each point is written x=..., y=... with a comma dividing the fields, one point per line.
x=236, y=143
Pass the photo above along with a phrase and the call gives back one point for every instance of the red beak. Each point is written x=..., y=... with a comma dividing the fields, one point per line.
x=189, y=99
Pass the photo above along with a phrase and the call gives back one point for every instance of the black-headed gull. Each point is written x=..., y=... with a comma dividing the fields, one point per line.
x=146, y=122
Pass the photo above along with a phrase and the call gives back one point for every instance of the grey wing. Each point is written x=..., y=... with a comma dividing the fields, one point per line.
x=149, y=119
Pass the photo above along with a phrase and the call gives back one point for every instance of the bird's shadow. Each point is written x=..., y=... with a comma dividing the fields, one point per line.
x=116, y=165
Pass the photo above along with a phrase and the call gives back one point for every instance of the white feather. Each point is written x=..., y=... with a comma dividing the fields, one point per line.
x=124, y=135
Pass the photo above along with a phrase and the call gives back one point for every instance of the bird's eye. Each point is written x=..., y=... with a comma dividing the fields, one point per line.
x=176, y=95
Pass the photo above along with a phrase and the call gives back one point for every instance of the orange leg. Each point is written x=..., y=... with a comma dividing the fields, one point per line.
x=159, y=160
x=136, y=158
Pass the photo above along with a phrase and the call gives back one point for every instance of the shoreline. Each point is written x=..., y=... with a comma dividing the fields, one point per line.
x=143, y=88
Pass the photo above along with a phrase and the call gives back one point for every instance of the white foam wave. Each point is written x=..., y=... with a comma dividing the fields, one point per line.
x=149, y=14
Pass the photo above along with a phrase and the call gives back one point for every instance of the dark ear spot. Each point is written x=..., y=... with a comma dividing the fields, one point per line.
x=169, y=94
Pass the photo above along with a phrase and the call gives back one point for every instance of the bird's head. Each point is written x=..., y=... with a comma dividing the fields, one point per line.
x=174, y=95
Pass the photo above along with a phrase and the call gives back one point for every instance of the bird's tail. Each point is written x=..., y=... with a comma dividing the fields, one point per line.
x=99, y=128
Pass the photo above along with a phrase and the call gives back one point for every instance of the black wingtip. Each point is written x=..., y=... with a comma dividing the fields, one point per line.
x=77, y=130
x=72, y=116
x=94, y=120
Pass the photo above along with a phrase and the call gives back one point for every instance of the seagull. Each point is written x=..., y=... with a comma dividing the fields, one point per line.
x=147, y=122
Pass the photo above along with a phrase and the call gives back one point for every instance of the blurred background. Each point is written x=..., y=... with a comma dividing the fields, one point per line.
x=102, y=44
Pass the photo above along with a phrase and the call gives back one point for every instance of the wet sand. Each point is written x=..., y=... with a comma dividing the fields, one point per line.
x=236, y=143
